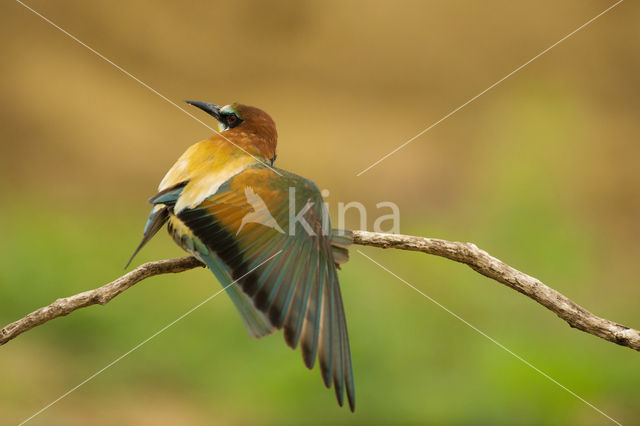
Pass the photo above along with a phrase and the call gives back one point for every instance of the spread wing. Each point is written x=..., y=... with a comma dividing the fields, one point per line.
x=246, y=222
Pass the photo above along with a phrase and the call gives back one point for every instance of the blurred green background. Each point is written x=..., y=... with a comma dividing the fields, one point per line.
x=541, y=171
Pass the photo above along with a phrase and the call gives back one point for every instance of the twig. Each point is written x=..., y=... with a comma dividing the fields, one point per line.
x=467, y=253
x=99, y=296
x=487, y=265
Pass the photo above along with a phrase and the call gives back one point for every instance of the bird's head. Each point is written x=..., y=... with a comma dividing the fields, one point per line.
x=248, y=127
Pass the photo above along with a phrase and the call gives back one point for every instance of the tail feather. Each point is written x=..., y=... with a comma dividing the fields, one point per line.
x=340, y=242
x=158, y=217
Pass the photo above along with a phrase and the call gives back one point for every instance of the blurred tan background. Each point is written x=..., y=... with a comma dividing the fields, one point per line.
x=541, y=171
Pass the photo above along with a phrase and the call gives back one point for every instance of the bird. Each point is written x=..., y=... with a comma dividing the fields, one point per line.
x=226, y=204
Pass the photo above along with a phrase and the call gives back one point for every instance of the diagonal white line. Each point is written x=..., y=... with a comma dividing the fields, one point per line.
x=494, y=341
x=488, y=88
x=145, y=341
x=127, y=73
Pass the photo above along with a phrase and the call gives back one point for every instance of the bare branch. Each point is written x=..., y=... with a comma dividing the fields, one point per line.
x=98, y=296
x=487, y=265
x=467, y=253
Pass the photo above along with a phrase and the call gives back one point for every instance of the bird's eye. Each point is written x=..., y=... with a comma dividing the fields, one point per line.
x=232, y=119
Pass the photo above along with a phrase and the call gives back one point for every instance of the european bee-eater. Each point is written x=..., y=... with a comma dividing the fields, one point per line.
x=264, y=234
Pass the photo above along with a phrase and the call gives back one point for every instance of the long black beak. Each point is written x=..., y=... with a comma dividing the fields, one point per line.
x=207, y=107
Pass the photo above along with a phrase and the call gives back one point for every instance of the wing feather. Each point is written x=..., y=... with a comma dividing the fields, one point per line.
x=296, y=314
x=298, y=289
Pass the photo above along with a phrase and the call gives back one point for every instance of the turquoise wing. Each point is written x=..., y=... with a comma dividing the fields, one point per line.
x=283, y=263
